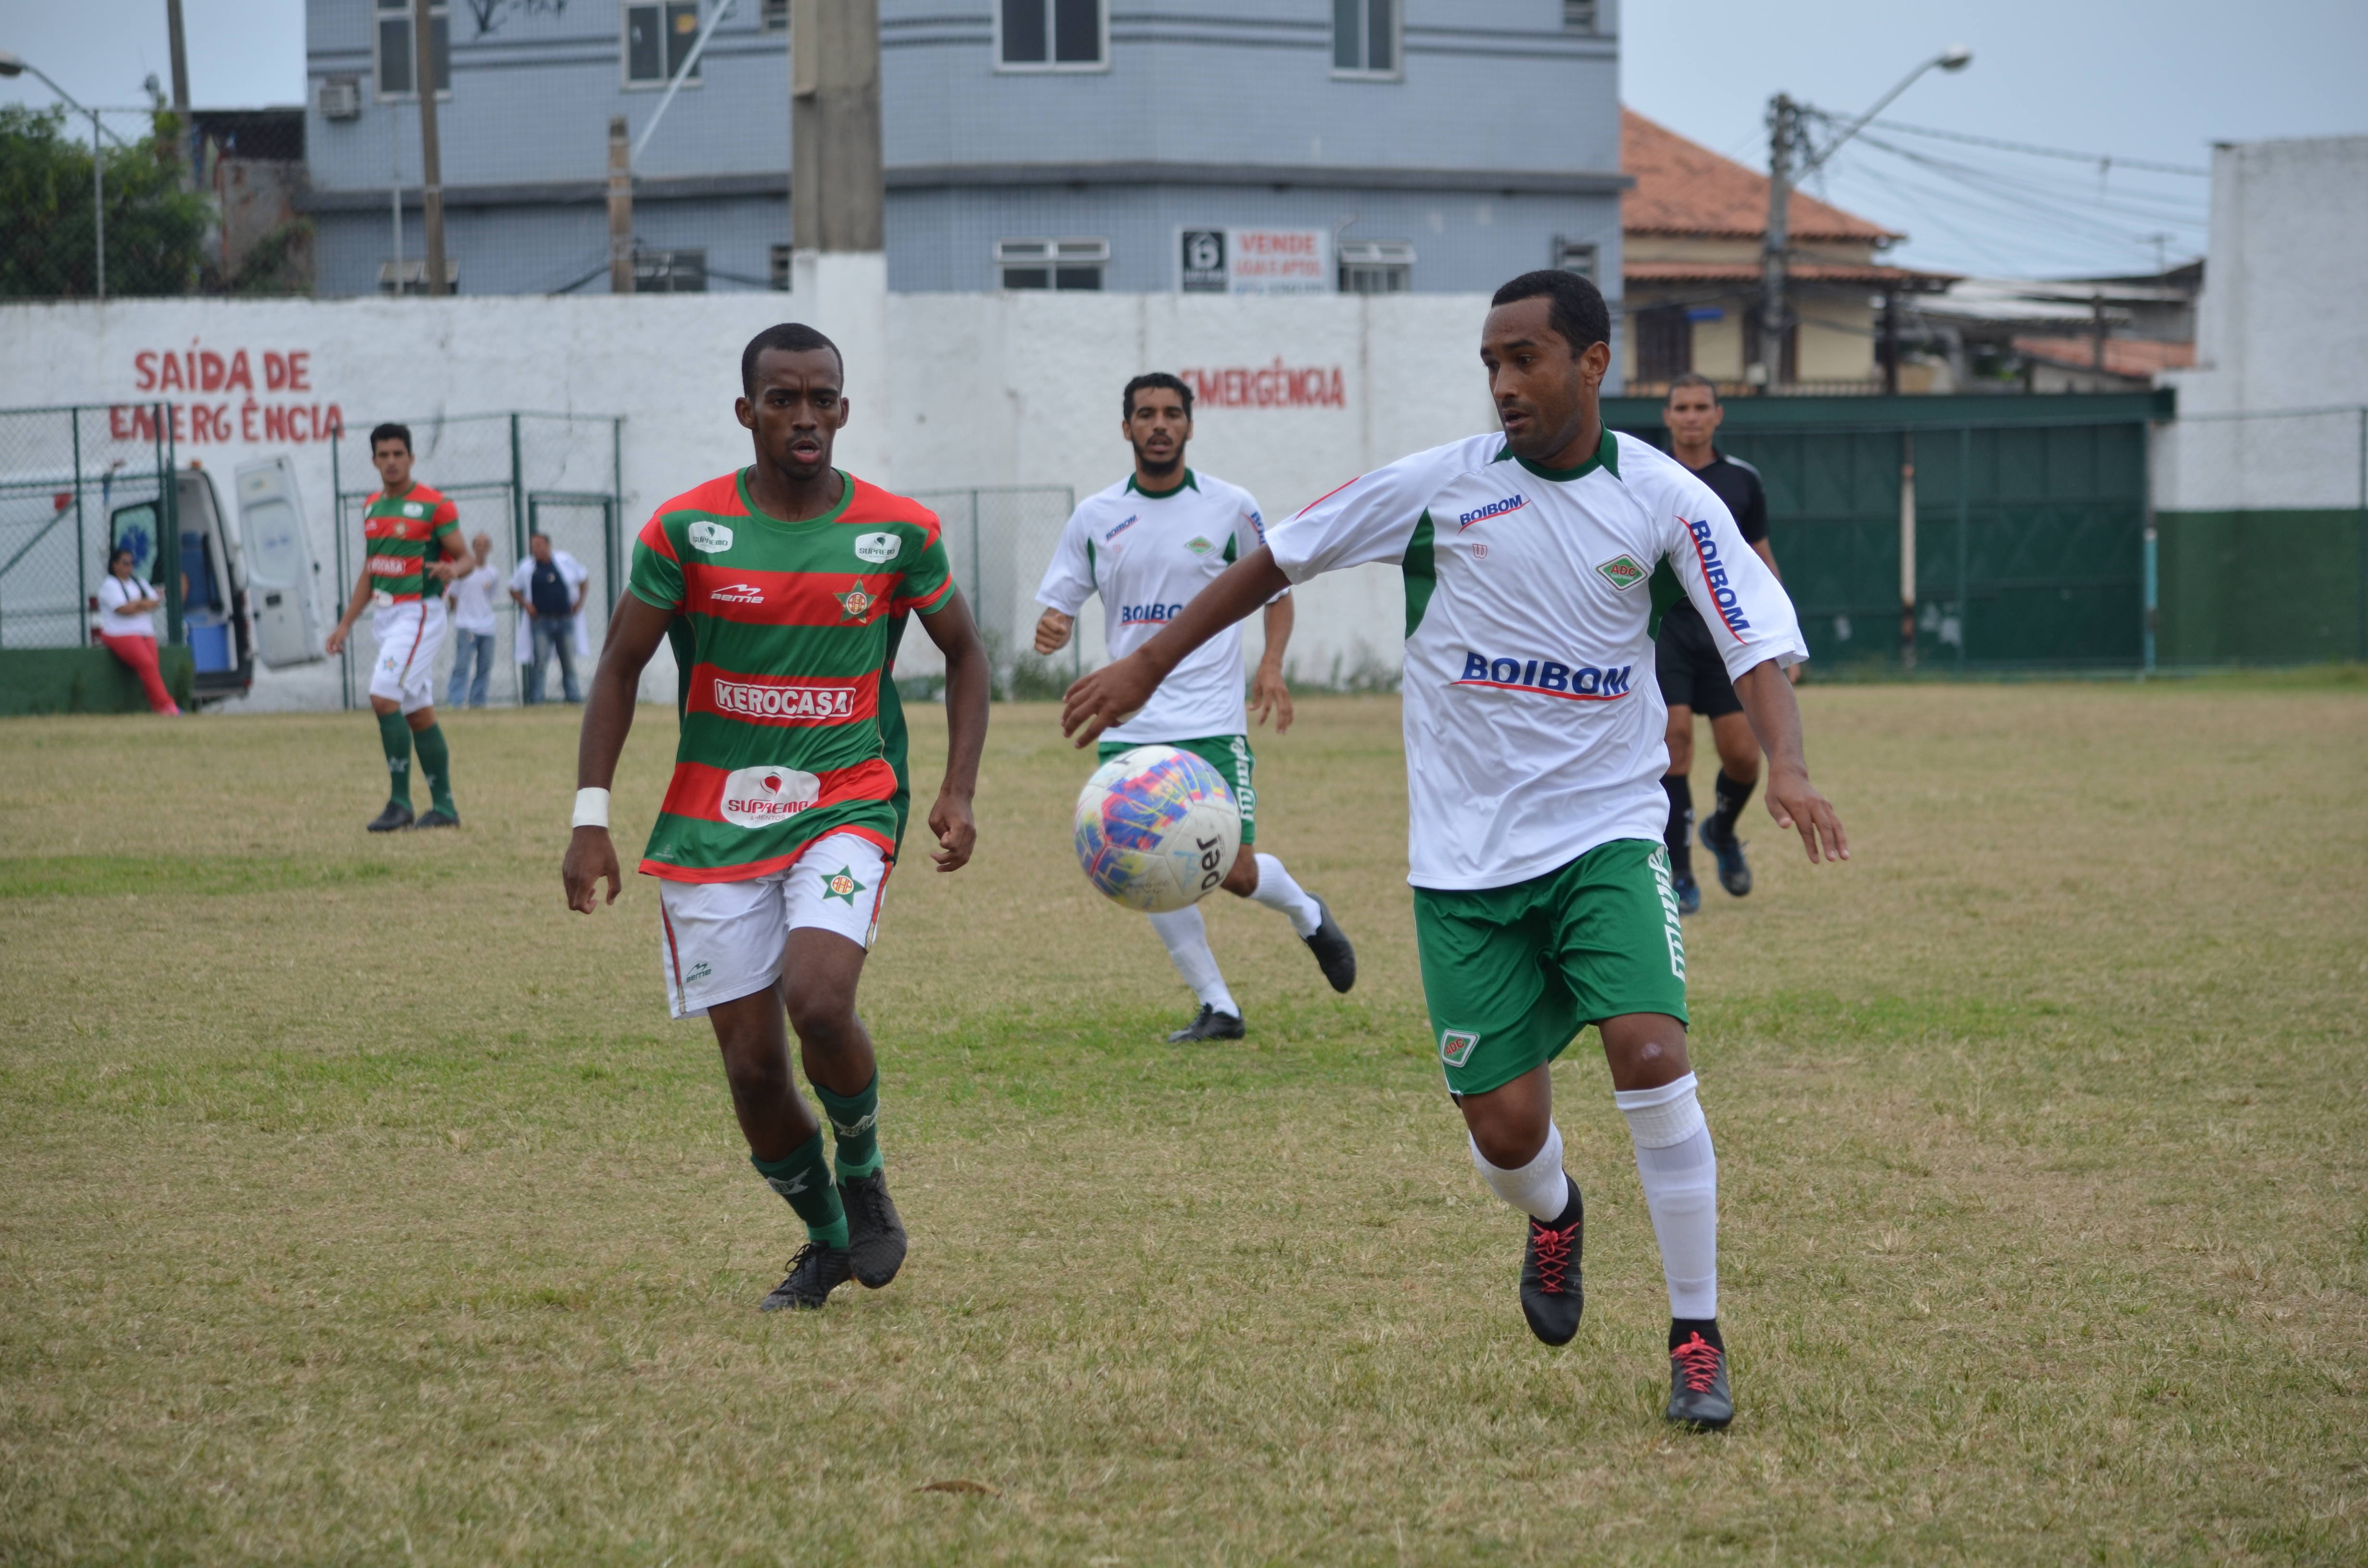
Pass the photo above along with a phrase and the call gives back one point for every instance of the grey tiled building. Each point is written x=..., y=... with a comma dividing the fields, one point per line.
x=1430, y=145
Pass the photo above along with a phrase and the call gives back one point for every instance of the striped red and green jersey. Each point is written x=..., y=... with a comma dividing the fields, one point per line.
x=788, y=628
x=404, y=534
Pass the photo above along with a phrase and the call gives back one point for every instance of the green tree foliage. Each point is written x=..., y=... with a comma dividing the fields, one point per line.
x=153, y=225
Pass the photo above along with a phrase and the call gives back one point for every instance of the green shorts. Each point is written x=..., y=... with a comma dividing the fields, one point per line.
x=1510, y=974
x=1229, y=754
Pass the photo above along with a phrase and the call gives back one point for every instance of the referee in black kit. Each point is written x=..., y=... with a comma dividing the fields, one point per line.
x=1693, y=675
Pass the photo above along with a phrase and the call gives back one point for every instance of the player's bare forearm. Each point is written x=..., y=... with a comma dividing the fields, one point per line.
x=1793, y=801
x=1106, y=696
x=1270, y=691
x=633, y=634
x=458, y=562
x=967, y=690
x=361, y=596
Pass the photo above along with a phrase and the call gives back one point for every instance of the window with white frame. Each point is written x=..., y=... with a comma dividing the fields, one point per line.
x=1575, y=255
x=1365, y=39
x=397, y=31
x=1578, y=16
x=670, y=271
x=1376, y=266
x=773, y=17
x=1052, y=35
x=1067, y=264
x=779, y=276
x=659, y=38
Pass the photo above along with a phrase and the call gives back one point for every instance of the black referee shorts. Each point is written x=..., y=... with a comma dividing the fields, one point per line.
x=1687, y=663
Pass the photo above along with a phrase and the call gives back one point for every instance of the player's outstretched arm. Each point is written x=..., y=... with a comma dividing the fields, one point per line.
x=635, y=632
x=1793, y=801
x=1106, y=696
x=967, y=689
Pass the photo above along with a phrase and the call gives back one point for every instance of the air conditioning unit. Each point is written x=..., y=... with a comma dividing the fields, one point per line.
x=341, y=98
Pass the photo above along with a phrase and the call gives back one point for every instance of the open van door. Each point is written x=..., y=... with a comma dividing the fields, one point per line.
x=280, y=568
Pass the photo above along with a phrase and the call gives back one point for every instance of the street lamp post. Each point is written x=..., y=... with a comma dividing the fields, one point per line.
x=1787, y=139
x=17, y=65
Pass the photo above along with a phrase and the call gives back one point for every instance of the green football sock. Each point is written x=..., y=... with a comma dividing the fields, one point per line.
x=803, y=1178
x=436, y=761
x=395, y=734
x=855, y=1119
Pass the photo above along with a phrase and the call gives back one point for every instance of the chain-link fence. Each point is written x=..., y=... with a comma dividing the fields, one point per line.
x=74, y=482
x=2264, y=547
x=999, y=539
x=510, y=475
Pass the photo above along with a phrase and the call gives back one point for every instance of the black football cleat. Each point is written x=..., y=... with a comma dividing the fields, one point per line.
x=1210, y=1025
x=435, y=816
x=1689, y=893
x=1734, y=872
x=1550, y=1297
x=1333, y=954
x=814, y=1272
x=392, y=820
x=1699, y=1395
x=875, y=1231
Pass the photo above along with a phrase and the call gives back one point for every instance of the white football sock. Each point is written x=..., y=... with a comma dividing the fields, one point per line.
x=1539, y=1188
x=1278, y=891
x=1187, y=936
x=1681, y=1174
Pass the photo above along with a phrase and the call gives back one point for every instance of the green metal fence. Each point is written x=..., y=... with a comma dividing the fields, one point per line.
x=2029, y=525
x=509, y=475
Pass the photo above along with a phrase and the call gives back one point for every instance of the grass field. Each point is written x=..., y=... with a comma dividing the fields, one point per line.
x=358, y=1204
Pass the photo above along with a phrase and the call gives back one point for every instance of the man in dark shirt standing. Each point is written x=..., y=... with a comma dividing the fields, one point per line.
x=1693, y=675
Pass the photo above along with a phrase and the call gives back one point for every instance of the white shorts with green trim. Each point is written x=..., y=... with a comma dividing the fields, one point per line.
x=408, y=636
x=721, y=942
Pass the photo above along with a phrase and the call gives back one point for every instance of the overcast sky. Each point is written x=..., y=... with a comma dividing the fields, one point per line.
x=2158, y=82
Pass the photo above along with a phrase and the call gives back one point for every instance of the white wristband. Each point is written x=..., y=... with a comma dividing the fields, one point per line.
x=591, y=808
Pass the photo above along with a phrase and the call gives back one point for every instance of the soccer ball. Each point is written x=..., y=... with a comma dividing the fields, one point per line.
x=1158, y=828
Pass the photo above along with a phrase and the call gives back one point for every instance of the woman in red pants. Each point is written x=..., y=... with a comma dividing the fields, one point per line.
x=127, y=626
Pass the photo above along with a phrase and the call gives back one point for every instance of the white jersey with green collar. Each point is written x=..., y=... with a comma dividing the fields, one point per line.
x=1535, y=728
x=1147, y=553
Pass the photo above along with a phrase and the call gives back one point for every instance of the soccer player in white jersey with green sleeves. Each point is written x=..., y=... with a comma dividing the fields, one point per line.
x=1534, y=754
x=1147, y=545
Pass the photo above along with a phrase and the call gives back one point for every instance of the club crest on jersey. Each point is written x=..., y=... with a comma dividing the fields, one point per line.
x=1549, y=678
x=759, y=797
x=856, y=601
x=877, y=547
x=1199, y=546
x=1497, y=509
x=712, y=538
x=738, y=594
x=1455, y=1046
x=841, y=883
x=1622, y=572
x=1148, y=615
x=1714, y=571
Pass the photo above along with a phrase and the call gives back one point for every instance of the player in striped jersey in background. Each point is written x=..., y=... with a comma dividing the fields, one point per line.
x=782, y=586
x=412, y=535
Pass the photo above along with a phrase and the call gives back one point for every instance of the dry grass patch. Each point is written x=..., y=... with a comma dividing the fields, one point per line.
x=360, y=1204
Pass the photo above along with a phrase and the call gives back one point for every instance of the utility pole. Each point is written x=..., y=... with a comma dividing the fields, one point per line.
x=1783, y=133
x=180, y=62
x=431, y=163
x=620, y=208
x=836, y=198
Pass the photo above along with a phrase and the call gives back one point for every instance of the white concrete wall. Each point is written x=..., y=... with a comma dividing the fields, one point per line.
x=945, y=391
x=2283, y=324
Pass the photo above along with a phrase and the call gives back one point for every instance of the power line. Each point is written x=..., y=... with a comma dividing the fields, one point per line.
x=2038, y=152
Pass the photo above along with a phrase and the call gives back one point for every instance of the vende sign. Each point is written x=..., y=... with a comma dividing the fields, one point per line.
x=1255, y=261
x=243, y=394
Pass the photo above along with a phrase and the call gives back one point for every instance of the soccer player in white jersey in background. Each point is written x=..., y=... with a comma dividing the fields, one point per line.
x=1534, y=740
x=1147, y=545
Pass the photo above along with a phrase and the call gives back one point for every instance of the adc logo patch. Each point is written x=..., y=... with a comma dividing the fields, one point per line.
x=1455, y=1047
x=1622, y=573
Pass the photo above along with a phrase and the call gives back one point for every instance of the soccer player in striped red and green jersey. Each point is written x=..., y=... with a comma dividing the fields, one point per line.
x=413, y=536
x=782, y=586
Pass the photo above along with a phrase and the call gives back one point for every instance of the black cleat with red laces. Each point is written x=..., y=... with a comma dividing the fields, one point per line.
x=1549, y=1285
x=1699, y=1395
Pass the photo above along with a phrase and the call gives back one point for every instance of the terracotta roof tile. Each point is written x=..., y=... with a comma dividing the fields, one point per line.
x=2123, y=355
x=1683, y=187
